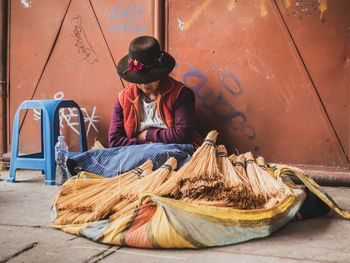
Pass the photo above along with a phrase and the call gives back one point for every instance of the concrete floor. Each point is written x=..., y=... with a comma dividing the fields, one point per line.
x=26, y=235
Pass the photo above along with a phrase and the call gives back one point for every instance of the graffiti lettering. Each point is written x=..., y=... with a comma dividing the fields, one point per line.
x=126, y=13
x=200, y=85
x=237, y=90
x=219, y=106
x=84, y=47
x=90, y=119
x=119, y=11
x=68, y=117
x=128, y=27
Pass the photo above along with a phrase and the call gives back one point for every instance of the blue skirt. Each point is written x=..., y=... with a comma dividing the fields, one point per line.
x=110, y=162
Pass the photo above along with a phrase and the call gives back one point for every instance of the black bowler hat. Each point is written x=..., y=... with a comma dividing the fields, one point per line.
x=146, y=62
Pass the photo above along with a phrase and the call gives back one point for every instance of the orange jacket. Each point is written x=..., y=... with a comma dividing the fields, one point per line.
x=168, y=92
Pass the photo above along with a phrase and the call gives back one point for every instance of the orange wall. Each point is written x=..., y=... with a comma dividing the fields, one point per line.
x=271, y=76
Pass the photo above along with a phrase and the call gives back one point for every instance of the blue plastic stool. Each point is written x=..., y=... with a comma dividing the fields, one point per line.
x=44, y=160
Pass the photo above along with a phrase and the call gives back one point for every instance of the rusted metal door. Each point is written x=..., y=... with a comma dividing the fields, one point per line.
x=69, y=49
x=271, y=76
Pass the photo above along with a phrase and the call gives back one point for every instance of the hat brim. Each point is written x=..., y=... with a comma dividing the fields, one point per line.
x=146, y=75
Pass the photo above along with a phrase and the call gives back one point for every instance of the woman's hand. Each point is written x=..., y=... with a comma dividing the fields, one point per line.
x=142, y=135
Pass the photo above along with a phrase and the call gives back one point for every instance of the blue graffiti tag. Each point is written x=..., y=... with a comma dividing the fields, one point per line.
x=200, y=85
x=119, y=11
x=126, y=13
x=232, y=113
x=128, y=27
x=230, y=75
x=221, y=101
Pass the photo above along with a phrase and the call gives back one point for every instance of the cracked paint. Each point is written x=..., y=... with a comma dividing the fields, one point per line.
x=26, y=3
x=181, y=24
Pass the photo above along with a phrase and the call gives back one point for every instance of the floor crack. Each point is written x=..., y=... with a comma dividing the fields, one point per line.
x=100, y=256
x=29, y=226
x=26, y=248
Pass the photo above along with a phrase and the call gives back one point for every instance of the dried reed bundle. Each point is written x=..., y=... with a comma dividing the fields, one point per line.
x=85, y=200
x=94, y=210
x=124, y=201
x=79, y=184
x=199, y=178
x=254, y=179
x=232, y=178
x=268, y=186
x=210, y=178
x=261, y=162
x=104, y=206
x=155, y=180
x=239, y=164
x=237, y=185
x=232, y=158
x=97, y=145
x=254, y=199
x=147, y=184
x=262, y=167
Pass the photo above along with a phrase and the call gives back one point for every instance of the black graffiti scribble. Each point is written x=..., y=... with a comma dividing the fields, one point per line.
x=84, y=47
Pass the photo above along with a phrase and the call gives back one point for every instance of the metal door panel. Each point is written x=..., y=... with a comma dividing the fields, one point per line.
x=250, y=82
x=81, y=67
x=33, y=30
x=320, y=30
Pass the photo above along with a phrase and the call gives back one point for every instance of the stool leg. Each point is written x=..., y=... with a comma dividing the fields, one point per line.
x=12, y=171
x=50, y=174
x=83, y=141
x=14, y=148
x=50, y=171
x=49, y=149
x=12, y=175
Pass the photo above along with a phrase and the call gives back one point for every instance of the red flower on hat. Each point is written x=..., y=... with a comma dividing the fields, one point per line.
x=135, y=65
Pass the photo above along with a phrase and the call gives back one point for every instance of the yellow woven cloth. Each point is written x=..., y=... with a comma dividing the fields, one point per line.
x=160, y=222
x=282, y=170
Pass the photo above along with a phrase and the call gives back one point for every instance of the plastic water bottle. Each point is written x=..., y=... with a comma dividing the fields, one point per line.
x=61, y=156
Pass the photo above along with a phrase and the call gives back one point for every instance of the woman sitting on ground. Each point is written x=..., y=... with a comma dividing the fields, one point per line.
x=154, y=107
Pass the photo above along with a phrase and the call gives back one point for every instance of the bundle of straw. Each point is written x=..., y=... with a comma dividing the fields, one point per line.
x=209, y=178
x=147, y=184
x=262, y=167
x=199, y=178
x=232, y=178
x=237, y=186
x=255, y=198
x=254, y=179
x=86, y=199
x=266, y=186
x=103, y=207
x=239, y=164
